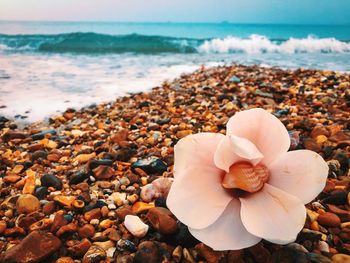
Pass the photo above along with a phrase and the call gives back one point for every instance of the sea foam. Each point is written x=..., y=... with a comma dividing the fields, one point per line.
x=256, y=44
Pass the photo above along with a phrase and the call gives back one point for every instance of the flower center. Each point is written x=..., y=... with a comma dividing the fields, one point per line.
x=245, y=176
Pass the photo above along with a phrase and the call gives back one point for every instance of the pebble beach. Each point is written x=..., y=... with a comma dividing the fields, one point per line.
x=67, y=185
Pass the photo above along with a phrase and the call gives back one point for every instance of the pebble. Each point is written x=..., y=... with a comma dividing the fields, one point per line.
x=105, y=245
x=86, y=231
x=158, y=188
x=162, y=220
x=78, y=177
x=41, y=192
x=209, y=254
x=92, y=214
x=140, y=207
x=338, y=198
x=35, y=247
x=125, y=244
x=340, y=258
x=151, y=252
x=135, y=226
x=65, y=260
x=329, y=219
x=50, y=180
x=95, y=254
x=151, y=165
x=103, y=172
x=3, y=226
x=27, y=203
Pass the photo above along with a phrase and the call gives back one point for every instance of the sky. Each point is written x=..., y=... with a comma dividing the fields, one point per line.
x=236, y=11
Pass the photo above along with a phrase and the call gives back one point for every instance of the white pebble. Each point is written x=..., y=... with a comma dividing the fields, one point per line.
x=112, y=207
x=135, y=226
x=94, y=221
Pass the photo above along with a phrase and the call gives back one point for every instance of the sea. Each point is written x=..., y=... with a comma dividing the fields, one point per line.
x=46, y=67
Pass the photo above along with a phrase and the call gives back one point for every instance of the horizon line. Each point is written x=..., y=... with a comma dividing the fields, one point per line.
x=177, y=22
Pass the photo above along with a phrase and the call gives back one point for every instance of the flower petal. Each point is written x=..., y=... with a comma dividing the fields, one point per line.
x=233, y=149
x=273, y=214
x=197, y=149
x=197, y=197
x=301, y=173
x=227, y=232
x=263, y=129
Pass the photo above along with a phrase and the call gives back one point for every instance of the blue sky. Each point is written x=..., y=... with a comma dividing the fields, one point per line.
x=240, y=11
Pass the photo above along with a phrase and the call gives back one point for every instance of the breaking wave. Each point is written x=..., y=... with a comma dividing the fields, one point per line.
x=134, y=43
x=261, y=44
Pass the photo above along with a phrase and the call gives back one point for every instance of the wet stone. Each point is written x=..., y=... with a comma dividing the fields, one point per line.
x=33, y=248
x=151, y=165
x=41, y=192
x=162, y=220
x=338, y=198
x=78, y=178
x=50, y=180
x=235, y=79
x=11, y=135
x=160, y=202
x=183, y=237
x=41, y=135
x=147, y=251
x=41, y=154
x=317, y=258
x=95, y=254
x=86, y=231
x=95, y=163
x=103, y=172
x=125, y=245
x=289, y=255
x=329, y=219
x=27, y=203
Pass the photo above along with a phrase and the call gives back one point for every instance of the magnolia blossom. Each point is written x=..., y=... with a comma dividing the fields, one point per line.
x=234, y=190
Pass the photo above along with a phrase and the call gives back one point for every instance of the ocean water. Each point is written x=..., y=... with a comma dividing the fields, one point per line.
x=46, y=67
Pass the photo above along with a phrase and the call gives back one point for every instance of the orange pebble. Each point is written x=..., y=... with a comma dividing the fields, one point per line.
x=315, y=226
x=320, y=211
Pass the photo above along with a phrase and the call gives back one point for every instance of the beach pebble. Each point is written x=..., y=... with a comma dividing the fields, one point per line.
x=151, y=165
x=148, y=192
x=340, y=258
x=95, y=254
x=337, y=198
x=27, y=204
x=50, y=180
x=235, y=79
x=212, y=256
x=126, y=245
x=105, y=245
x=93, y=214
x=78, y=177
x=103, y=172
x=11, y=135
x=35, y=247
x=323, y=246
x=328, y=219
x=86, y=231
x=158, y=188
x=41, y=192
x=135, y=226
x=162, y=220
x=139, y=207
x=65, y=260
x=3, y=226
x=123, y=211
x=151, y=252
